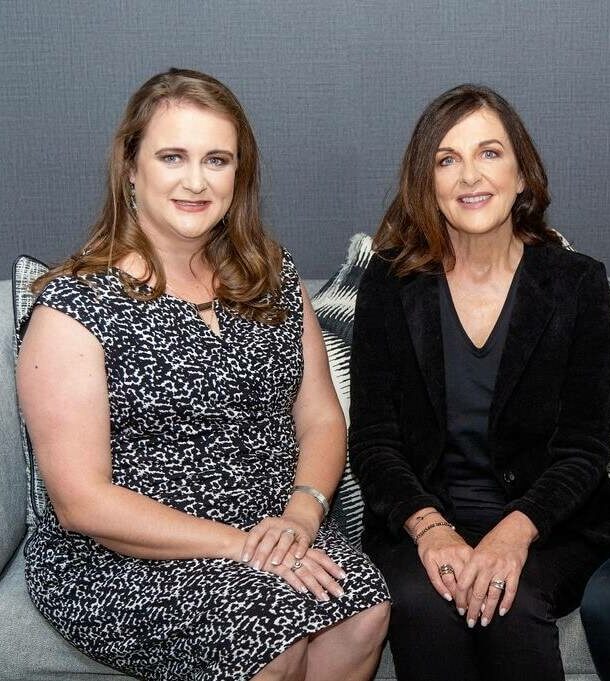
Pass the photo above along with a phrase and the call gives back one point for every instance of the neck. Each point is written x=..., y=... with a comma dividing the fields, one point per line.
x=483, y=255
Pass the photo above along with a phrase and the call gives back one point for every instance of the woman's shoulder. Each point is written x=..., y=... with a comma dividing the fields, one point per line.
x=563, y=263
x=83, y=298
x=68, y=288
x=380, y=271
x=289, y=272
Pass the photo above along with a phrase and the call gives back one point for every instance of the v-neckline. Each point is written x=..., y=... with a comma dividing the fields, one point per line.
x=216, y=305
x=489, y=341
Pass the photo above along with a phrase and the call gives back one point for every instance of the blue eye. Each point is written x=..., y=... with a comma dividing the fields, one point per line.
x=446, y=161
x=171, y=159
x=490, y=153
x=216, y=161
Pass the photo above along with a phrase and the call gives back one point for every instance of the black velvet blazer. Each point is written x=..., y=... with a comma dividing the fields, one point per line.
x=549, y=417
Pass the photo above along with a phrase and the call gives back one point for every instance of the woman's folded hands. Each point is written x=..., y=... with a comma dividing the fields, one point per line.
x=483, y=579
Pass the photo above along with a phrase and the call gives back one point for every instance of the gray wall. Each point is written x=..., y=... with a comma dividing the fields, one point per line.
x=333, y=89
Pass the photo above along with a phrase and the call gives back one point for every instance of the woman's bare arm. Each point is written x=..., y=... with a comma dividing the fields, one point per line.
x=321, y=434
x=61, y=382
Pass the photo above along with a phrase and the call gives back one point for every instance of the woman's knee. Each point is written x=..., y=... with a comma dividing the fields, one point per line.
x=368, y=629
x=595, y=606
x=291, y=665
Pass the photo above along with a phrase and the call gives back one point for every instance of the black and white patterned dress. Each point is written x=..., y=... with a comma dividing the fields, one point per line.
x=201, y=423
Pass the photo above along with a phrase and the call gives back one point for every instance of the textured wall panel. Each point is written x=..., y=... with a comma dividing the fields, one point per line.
x=333, y=89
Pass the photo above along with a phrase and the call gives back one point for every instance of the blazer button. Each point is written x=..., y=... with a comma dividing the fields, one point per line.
x=509, y=477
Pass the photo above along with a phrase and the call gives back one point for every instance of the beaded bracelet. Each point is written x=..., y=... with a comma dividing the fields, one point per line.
x=419, y=535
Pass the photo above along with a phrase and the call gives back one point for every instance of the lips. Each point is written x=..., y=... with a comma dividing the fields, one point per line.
x=191, y=206
x=474, y=199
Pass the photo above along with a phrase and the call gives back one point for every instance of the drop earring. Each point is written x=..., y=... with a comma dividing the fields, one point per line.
x=132, y=197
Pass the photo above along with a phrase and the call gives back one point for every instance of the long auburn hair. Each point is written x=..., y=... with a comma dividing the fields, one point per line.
x=413, y=226
x=245, y=260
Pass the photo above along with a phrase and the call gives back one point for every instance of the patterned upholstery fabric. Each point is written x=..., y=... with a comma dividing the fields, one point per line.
x=334, y=305
x=25, y=271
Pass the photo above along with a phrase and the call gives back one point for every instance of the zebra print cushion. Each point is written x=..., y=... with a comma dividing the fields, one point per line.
x=25, y=271
x=334, y=305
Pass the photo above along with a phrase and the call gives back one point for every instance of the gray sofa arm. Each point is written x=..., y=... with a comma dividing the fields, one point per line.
x=12, y=470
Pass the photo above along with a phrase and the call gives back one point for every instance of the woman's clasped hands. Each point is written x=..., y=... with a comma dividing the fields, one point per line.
x=282, y=546
x=483, y=579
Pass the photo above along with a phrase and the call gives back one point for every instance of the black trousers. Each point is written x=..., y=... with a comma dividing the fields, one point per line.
x=595, y=615
x=430, y=641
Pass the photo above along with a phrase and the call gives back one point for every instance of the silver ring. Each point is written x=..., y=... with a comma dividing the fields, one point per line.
x=499, y=584
x=296, y=565
x=288, y=530
x=446, y=569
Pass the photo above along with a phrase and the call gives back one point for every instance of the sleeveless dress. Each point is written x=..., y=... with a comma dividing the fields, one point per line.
x=201, y=423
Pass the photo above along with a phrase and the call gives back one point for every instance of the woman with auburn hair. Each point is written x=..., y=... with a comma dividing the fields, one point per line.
x=480, y=403
x=176, y=390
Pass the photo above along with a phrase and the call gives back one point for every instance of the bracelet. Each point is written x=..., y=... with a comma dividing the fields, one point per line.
x=421, y=517
x=419, y=535
x=316, y=494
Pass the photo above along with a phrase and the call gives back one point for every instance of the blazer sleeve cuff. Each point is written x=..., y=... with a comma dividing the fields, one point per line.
x=405, y=509
x=538, y=515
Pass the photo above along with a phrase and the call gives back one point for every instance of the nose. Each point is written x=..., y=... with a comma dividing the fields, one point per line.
x=194, y=179
x=470, y=173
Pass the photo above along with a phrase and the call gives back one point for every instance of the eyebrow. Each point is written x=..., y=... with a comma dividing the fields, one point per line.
x=179, y=150
x=484, y=143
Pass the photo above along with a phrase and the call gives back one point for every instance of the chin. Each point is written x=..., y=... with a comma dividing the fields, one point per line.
x=478, y=228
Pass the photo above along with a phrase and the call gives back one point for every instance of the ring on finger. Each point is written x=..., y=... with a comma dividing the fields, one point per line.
x=288, y=530
x=499, y=584
x=296, y=565
x=446, y=569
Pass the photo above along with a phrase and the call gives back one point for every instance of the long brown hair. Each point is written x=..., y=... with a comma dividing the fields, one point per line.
x=246, y=262
x=413, y=225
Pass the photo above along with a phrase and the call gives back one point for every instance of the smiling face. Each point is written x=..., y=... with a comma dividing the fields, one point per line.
x=476, y=175
x=184, y=174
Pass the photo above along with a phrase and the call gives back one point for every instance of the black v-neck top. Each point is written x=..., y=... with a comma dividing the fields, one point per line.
x=470, y=377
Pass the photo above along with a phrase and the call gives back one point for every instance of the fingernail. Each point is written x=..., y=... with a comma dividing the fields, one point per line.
x=482, y=607
x=325, y=597
x=502, y=612
x=256, y=565
x=303, y=589
x=246, y=557
x=447, y=597
x=462, y=611
x=275, y=562
x=342, y=575
x=470, y=624
x=339, y=593
x=484, y=621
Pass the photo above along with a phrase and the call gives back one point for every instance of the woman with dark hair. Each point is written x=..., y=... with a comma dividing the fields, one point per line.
x=176, y=390
x=480, y=403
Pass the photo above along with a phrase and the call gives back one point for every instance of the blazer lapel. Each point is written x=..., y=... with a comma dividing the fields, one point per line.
x=420, y=301
x=532, y=310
